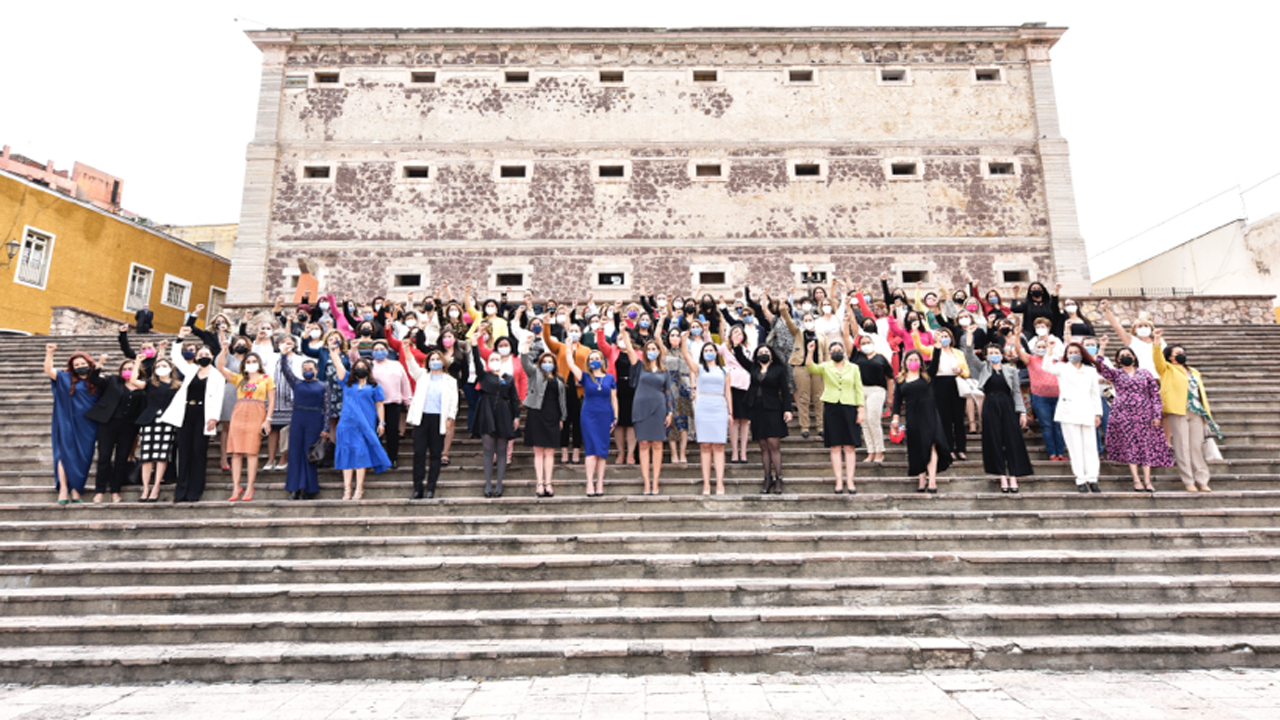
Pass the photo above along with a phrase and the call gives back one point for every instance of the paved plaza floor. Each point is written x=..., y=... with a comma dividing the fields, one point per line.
x=1175, y=695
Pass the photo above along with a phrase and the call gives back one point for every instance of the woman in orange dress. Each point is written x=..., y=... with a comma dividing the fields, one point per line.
x=251, y=418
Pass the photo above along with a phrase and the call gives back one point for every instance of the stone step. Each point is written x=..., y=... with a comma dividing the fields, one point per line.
x=640, y=624
x=411, y=660
x=776, y=541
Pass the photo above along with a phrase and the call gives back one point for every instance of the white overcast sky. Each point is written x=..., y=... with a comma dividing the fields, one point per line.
x=1164, y=105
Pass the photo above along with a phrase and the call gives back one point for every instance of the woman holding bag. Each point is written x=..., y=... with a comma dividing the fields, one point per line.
x=1186, y=412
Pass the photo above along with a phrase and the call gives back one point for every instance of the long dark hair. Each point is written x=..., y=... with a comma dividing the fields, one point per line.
x=71, y=372
x=368, y=364
x=902, y=371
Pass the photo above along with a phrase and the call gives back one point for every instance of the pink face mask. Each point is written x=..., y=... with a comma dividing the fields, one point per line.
x=913, y=364
x=148, y=353
x=971, y=308
x=448, y=342
x=126, y=374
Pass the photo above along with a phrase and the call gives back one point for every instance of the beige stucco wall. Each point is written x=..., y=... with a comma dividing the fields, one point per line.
x=223, y=236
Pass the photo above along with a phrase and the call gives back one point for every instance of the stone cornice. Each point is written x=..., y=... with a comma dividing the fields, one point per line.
x=639, y=46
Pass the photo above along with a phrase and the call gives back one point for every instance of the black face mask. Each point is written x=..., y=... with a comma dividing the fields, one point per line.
x=241, y=349
x=429, y=307
x=1006, y=331
x=869, y=328
x=837, y=356
x=763, y=359
x=366, y=332
x=361, y=372
x=1037, y=294
x=689, y=309
x=204, y=361
x=1126, y=360
x=1180, y=358
x=302, y=318
x=83, y=370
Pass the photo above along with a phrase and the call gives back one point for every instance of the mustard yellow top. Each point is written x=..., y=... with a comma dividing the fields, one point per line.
x=251, y=390
x=1174, y=382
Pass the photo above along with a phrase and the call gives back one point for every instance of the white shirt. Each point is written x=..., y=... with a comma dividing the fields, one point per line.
x=1079, y=396
x=1146, y=360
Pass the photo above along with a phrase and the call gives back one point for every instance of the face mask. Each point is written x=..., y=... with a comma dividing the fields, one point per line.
x=453, y=314
x=652, y=355
x=548, y=367
x=361, y=372
x=429, y=307
x=807, y=307
x=808, y=324
x=495, y=368
x=764, y=358
x=631, y=314
x=379, y=355
x=367, y=316
x=1037, y=293
x=868, y=349
x=1126, y=360
x=491, y=311
x=504, y=351
x=965, y=322
x=535, y=329
x=690, y=309
x=561, y=319
x=869, y=328
x=930, y=301
x=148, y=353
x=595, y=364
x=995, y=358
x=1092, y=349
x=251, y=367
x=1006, y=331
x=595, y=326
x=913, y=365
x=314, y=334
x=993, y=299
x=286, y=348
x=1071, y=309
x=435, y=365
x=448, y=342
x=82, y=371
x=750, y=320
x=1073, y=358
x=575, y=336
x=324, y=305
x=837, y=356
x=204, y=361
x=644, y=323
x=696, y=332
x=242, y=349
x=662, y=301
x=971, y=308
x=1180, y=358
x=188, y=355
x=411, y=322
x=377, y=307
x=944, y=341
x=308, y=375
x=709, y=357
x=1042, y=331
x=1144, y=331
x=126, y=374
x=826, y=309
x=1040, y=352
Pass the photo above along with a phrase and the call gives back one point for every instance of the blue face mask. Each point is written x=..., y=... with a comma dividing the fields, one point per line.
x=652, y=355
x=696, y=332
x=435, y=365
x=367, y=316
x=995, y=359
x=644, y=323
x=750, y=319
x=188, y=355
x=548, y=367
x=379, y=354
x=309, y=375
x=595, y=364
x=944, y=341
x=536, y=329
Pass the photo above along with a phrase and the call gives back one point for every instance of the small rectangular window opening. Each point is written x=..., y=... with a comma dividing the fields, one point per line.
x=611, y=278
x=409, y=280
x=904, y=169
x=707, y=170
x=513, y=76
x=705, y=75
x=611, y=76
x=797, y=76
x=711, y=278
x=295, y=81
x=293, y=282
x=315, y=172
x=510, y=280
x=1000, y=168
x=1015, y=276
x=915, y=276
x=422, y=77
x=893, y=75
x=987, y=75
x=512, y=171
x=612, y=171
x=817, y=277
x=417, y=171
x=808, y=170
x=326, y=78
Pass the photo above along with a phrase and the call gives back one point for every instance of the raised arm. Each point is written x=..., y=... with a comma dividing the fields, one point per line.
x=572, y=362
x=1114, y=322
x=222, y=366
x=49, y=350
x=688, y=359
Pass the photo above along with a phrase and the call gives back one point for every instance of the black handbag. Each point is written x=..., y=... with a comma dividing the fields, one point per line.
x=320, y=453
x=133, y=473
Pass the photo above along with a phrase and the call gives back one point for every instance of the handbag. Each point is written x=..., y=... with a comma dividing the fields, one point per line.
x=1210, y=449
x=968, y=388
x=320, y=453
x=133, y=473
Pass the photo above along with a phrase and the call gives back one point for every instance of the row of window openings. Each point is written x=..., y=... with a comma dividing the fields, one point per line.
x=708, y=277
x=520, y=77
x=423, y=172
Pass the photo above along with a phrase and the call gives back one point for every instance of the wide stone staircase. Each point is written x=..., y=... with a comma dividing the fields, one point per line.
x=887, y=579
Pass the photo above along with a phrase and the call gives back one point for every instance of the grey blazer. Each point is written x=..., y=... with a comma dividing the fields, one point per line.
x=538, y=382
x=1011, y=379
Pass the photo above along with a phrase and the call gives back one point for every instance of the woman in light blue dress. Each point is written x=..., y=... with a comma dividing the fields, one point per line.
x=712, y=406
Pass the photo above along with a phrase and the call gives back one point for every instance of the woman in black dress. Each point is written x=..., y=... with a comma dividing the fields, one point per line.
x=1004, y=417
x=547, y=411
x=770, y=401
x=927, y=451
x=497, y=418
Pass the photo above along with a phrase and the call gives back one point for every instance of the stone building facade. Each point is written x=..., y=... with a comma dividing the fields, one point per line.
x=568, y=161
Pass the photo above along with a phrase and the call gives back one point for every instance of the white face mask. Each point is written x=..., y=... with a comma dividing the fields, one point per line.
x=808, y=324
x=1144, y=331
x=1042, y=331
x=251, y=367
x=826, y=309
x=965, y=322
x=314, y=334
x=807, y=307
x=1071, y=308
x=453, y=314
x=561, y=319
x=162, y=372
x=411, y=322
x=495, y=368
x=504, y=351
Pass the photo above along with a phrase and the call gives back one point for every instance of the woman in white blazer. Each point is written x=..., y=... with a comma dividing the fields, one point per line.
x=1079, y=412
x=431, y=413
x=195, y=411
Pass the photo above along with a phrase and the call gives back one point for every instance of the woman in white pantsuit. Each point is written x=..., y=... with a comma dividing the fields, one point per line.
x=1079, y=412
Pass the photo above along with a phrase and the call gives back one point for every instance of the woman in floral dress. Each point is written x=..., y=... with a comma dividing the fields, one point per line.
x=1134, y=434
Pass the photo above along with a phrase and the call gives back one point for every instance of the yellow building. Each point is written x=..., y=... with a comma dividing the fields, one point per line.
x=67, y=254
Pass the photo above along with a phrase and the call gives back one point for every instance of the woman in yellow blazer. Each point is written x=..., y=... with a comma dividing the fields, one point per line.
x=842, y=409
x=952, y=366
x=1186, y=412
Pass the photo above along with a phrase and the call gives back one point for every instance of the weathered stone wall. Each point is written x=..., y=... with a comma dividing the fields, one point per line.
x=69, y=320
x=1186, y=310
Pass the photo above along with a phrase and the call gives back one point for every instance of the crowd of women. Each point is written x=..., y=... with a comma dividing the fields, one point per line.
x=339, y=381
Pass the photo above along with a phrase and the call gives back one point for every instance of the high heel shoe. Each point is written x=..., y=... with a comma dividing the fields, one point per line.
x=777, y=484
x=235, y=495
x=247, y=496
x=767, y=486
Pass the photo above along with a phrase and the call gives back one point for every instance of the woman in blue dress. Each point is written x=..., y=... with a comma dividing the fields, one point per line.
x=73, y=433
x=307, y=423
x=356, y=441
x=712, y=408
x=599, y=414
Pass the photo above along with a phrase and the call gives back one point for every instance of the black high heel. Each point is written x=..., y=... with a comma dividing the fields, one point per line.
x=767, y=487
x=777, y=484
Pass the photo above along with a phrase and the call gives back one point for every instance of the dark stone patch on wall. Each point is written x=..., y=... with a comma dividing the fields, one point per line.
x=713, y=101
x=866, y=171
x=852, y=151
x=325, y=104
x=750, y=176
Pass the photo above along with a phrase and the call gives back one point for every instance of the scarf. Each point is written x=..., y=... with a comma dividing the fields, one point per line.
x=1195, y=406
